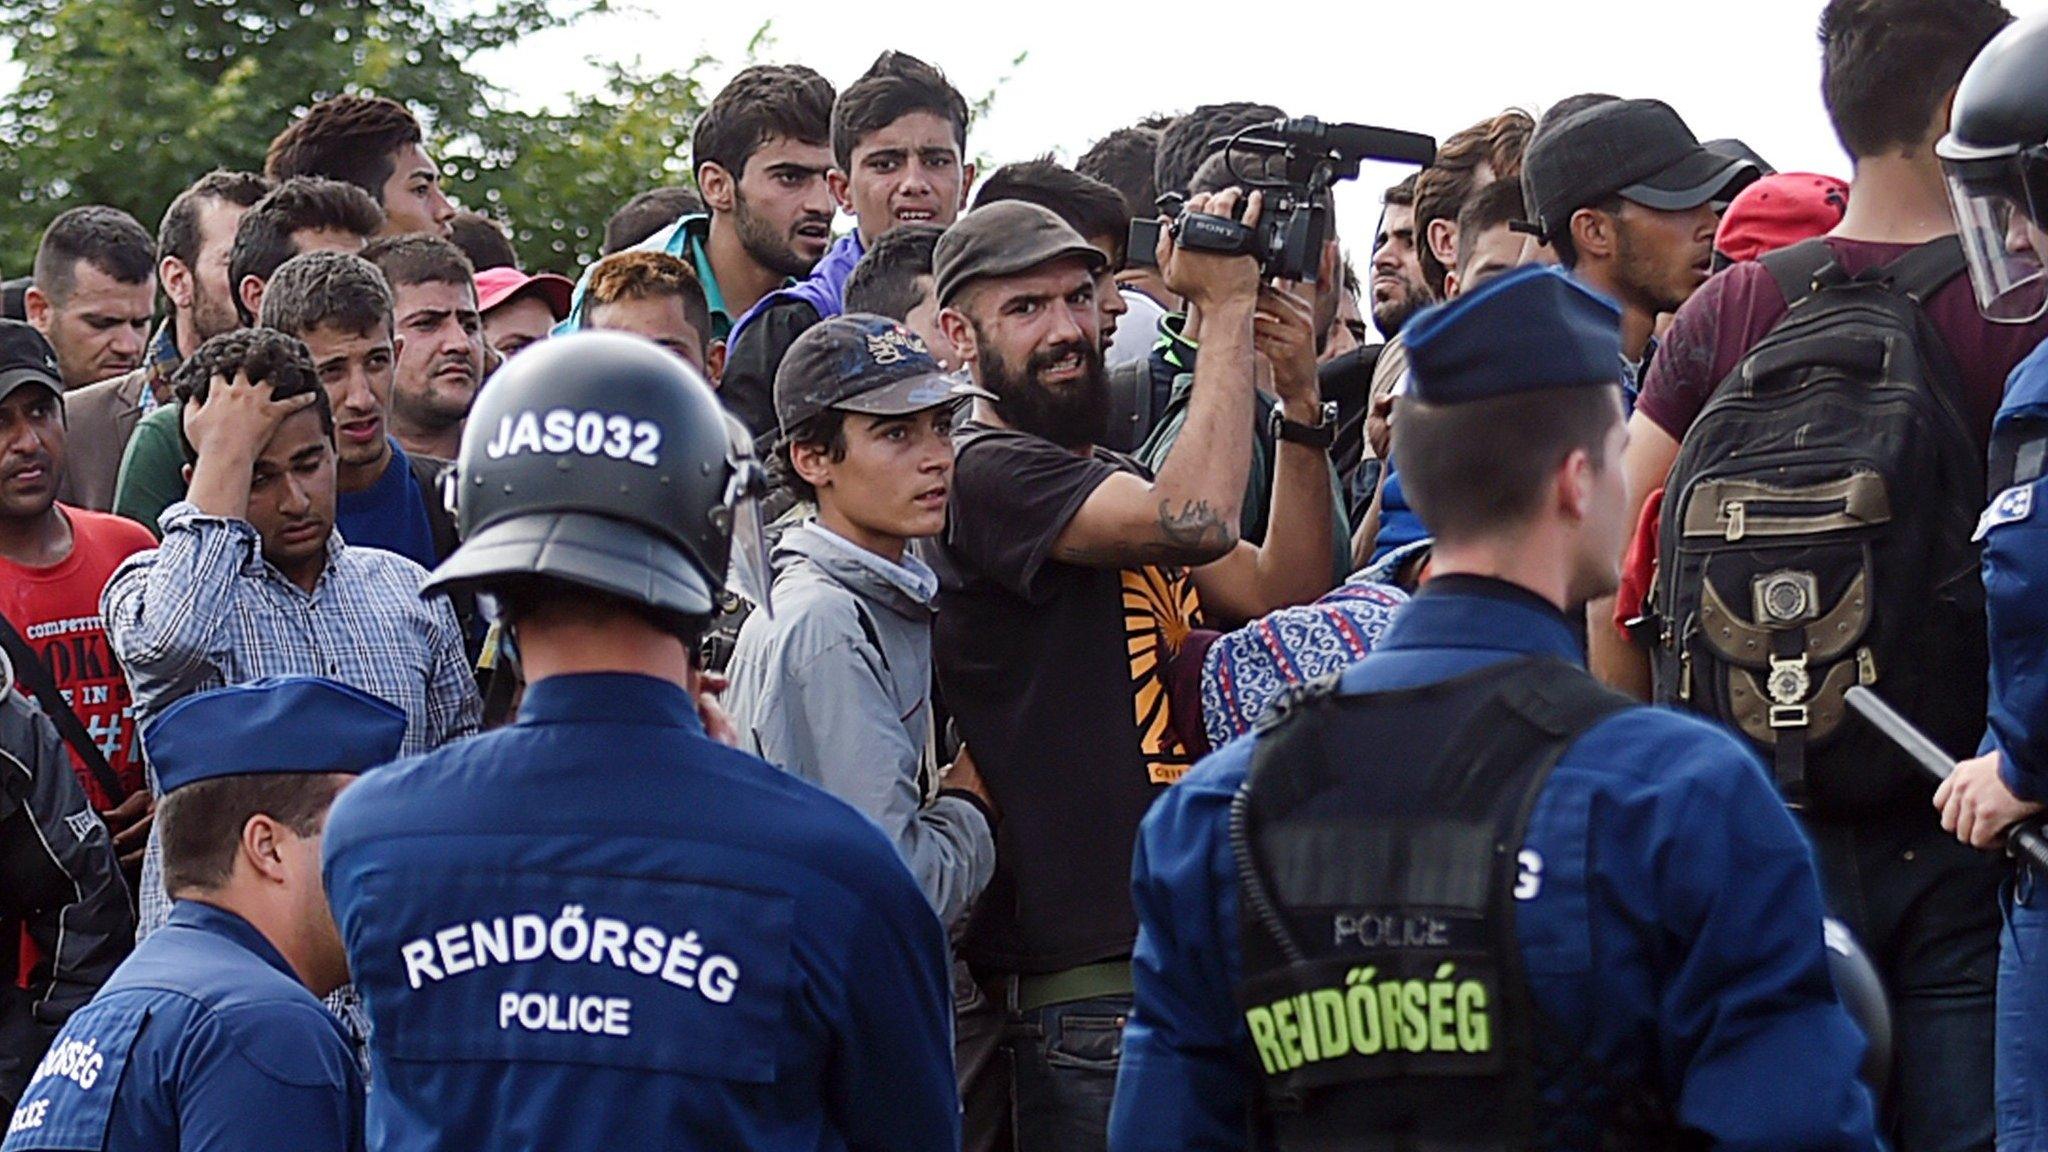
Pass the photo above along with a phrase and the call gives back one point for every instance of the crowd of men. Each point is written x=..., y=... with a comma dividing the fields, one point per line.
x=958, y=681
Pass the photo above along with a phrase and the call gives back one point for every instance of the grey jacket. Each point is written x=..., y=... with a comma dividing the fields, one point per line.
x=836, y=688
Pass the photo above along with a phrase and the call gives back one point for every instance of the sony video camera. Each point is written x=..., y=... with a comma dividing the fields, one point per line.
x=1296, y=162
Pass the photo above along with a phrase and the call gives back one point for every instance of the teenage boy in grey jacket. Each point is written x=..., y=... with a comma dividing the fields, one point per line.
x=835, y=686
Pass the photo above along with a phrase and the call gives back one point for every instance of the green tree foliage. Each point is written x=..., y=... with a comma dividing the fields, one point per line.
x=556, y=176
x=124, y=102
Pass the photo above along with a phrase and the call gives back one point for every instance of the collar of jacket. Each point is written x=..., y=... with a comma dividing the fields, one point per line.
x=1479, y=612
x=907, y=588
x=609, y=697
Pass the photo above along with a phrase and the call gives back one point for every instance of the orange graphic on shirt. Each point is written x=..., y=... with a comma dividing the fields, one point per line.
x=1160, y=606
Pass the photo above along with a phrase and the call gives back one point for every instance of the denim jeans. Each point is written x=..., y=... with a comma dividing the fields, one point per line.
x=1926, y=908
x=2023, y=1015
x=1063, y=1062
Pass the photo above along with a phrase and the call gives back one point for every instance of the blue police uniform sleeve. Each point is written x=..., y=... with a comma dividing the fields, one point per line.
x=892, y=1084
x=2015, y=534
x=1757, y=1049
x=279, y=1076
x=1182, y=1082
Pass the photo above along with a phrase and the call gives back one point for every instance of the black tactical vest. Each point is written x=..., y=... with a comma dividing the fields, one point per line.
x=1376, y=840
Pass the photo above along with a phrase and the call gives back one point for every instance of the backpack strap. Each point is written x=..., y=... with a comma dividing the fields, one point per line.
x=1130, y=405
x=1798, y=269
x=34, y=675
x=1925, y=270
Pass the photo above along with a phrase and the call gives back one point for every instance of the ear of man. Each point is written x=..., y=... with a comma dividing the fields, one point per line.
x=262, y=848
x=717, y=186
x=176, y=279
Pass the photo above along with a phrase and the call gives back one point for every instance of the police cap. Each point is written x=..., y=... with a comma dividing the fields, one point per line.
x=1533, y=329
x=277, y=724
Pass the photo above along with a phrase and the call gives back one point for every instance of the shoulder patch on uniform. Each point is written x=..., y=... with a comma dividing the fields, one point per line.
x=2012, y=506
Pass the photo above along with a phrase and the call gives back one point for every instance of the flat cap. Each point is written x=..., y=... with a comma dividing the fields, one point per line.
x=1003, y=239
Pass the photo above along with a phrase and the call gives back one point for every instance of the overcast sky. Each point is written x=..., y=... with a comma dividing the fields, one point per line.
x=1744, y=68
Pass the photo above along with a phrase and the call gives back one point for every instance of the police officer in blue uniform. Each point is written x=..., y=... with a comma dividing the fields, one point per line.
x=1462, y=897
x=1996, y=159
x=600, y=927
x=212, y=1035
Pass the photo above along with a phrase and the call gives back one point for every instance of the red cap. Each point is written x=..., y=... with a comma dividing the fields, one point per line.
x=1779, y=211
x=494, y=286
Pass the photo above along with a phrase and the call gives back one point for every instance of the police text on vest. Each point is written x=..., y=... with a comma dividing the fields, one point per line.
x=553, y=1012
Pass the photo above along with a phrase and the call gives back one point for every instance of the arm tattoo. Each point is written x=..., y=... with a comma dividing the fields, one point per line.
x=1195, y=526
x=1193, y=536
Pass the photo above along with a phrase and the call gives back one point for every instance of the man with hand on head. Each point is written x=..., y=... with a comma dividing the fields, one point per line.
x=252, y=579
x=211, y=1036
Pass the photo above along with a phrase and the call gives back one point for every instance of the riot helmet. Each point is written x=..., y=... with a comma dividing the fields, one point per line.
x=601, y=461
x=1995, y=157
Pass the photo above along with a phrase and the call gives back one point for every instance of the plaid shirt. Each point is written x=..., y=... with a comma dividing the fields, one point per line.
x=163, y=360
x=204, y=610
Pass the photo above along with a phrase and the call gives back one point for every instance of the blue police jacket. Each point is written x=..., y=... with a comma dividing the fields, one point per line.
x=203, y=1039
x=1668, y=914
x=597, y=928
x=2014, y=531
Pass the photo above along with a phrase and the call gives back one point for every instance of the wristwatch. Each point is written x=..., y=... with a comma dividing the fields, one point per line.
x=1320, y=434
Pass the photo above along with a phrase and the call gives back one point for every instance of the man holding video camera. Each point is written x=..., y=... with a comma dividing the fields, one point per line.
x=1075, y=577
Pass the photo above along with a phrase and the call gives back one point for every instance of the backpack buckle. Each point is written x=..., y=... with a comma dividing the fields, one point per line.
x=1787, y=686
x=1788, y=716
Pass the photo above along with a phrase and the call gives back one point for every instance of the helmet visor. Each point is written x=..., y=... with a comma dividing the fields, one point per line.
x=750, y=574
x=1989, y=196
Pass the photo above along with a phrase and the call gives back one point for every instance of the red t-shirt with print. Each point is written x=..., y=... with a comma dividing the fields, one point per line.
x=57, y=610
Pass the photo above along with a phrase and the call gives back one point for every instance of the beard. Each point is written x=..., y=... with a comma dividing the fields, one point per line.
x=767, y=247
x=1072, y=415
x=211, y=315
x=1647, y=276
x=1390, y=316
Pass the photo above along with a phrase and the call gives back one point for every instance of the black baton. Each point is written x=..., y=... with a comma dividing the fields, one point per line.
x=2023, y=841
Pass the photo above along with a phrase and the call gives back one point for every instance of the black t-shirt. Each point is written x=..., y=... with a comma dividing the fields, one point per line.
x=1057, y=675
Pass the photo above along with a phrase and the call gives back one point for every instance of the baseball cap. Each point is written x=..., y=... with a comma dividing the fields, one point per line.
x=26, y=358
x=1780, y=211
x=1002, y=239
x=1640, y=150
x=494, y=286
x=861, y=363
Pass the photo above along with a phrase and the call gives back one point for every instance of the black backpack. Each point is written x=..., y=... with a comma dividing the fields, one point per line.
x=1816, y=535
